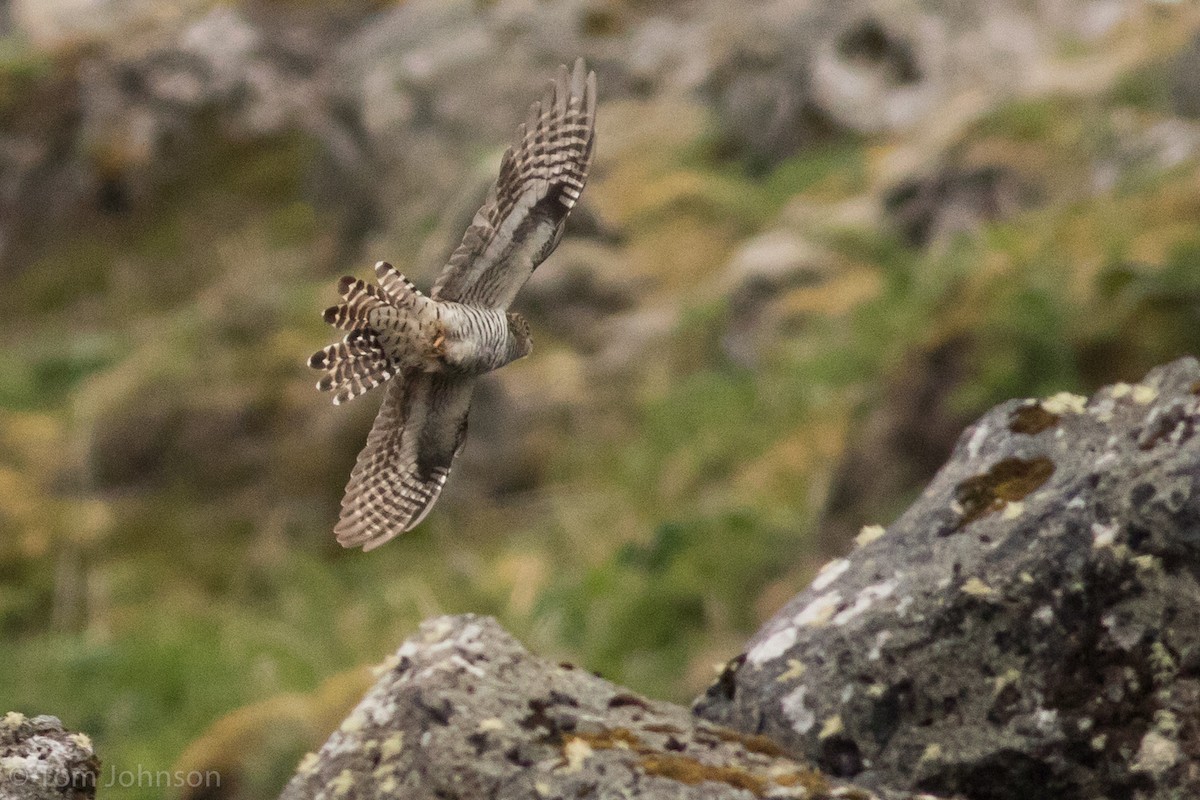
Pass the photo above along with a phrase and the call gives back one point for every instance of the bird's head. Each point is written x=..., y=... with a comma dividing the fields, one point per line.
x=520, y=340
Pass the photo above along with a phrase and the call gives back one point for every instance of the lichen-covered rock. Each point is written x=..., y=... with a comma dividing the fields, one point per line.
x=463, y=711
x=1030, y=627
x=40, y=760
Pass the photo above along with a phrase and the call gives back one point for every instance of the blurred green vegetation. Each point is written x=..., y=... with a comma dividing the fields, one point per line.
x=168, y=477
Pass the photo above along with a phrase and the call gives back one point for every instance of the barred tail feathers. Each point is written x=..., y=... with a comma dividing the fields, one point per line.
x=374, y=315
x=352, y=366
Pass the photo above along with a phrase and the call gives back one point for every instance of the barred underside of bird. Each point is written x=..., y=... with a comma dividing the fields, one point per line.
x=428, y=351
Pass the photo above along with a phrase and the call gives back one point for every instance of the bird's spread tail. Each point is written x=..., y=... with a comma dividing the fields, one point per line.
x=360, y=362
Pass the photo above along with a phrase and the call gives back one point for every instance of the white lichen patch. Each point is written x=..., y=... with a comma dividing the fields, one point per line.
x=1065, y=403
x=14, y=719
x=797, y=712
x=931, y=753
x=466, y=666
x=1013, y=509
x=1126, y=634
x=865, y=599
x=795, y=669
x=392, y=746
x=491, y=724
x=388, y=786
x=904, y=605
x=1119, y=390
x=1156, y=754
x=82, y=741
x=876, y=651
x=1144, y=395
x=1044, y=615
x=576, y=751
x=977, y=588
x=832, y=727
x=830, y=573
x=308, y=764
x=542, y=788
x=772, y=647
x=1046, y=721
x=342, y=784
x=975, y=443
x=1104, y=535
x=868, y=534
x=819, y=611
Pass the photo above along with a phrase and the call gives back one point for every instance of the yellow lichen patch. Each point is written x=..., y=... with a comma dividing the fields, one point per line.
x=608, y=738
x=82, y=741
x=308, y=764
x=693, y=772
x=1064, y=403
x=795, y=669
x=392, y=746
x=977, y=588
x=812, y=782
x=342, y=784
x=491, y=724
x=832, y=727
x=1013, y=510
x=14, y=719
x=576, y=751
x=753, y=743
x=1032, y=420
x=1008, y=481
x=868, y=534
x=932, y=753
x=1144, y=395
x=1004, y=681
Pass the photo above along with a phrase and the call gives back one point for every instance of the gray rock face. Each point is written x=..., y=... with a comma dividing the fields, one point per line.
x=463, y=711
x=1030, y=627
x=39, y=760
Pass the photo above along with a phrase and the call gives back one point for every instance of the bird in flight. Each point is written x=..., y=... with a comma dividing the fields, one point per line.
x=428, y=351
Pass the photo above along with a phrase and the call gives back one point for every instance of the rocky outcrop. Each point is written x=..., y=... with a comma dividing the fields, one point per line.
x=1030, y=627
x=462, y=710
x=40, y=760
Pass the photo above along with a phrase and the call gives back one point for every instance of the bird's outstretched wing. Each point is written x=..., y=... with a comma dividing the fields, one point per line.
x=541, y=178
x=421, y=427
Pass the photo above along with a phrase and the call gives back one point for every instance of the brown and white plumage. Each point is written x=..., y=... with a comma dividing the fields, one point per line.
x=431, y=350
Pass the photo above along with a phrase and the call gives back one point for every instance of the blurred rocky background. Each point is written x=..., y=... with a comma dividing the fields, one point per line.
x=819, y=239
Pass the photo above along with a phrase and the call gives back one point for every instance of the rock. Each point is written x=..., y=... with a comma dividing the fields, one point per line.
x=40, y=760
x=764, y=268
x=954, y=200
x=462, y=710
x=1030, y=627
x=1185, y=80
